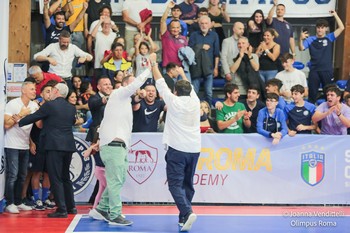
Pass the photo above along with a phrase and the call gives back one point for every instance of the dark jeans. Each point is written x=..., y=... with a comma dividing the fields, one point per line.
x=58, y=163
x=180, y=169
x=16, y=172
x=314, y=81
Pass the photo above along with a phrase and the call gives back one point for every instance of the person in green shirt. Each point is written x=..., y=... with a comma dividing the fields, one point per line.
x=233, y=114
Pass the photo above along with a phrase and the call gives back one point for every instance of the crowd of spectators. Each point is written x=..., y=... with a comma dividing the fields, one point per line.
x=264, y=93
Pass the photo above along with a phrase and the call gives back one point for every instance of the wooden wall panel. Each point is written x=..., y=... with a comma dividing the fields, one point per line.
x=19, y=31
x=342, y=49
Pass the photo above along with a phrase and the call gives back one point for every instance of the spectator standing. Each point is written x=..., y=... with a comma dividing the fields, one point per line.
x=53, y=31
x=189, y=12
x=77, y=34
x=268, y=52
x=171, y=38
x=283, y=28
x=97, y=104
x=103, y=42
x=256, y=26
x=147, y=111
x=333, y=115
x=321, y=53
x=175, y=14
x=93, y=13
x=230, y=50
x=244, y=69
x=132, y=18
x=291, y=77
x=16, y=145
x=115, y=62
x=60, y=55
x=205, y=44
x=218, y=15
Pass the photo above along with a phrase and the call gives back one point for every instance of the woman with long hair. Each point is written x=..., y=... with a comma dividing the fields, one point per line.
x=218, y=15
x=268, y=52
x=255, y=28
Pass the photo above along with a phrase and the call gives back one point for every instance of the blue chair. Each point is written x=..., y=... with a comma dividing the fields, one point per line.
x=320, y=101
x=218, y=83
x=342, y=84
x=298, y=65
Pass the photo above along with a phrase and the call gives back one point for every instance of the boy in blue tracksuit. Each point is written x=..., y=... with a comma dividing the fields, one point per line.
x=271, y=120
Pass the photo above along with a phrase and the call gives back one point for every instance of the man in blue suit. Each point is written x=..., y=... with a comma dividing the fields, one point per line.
x=58, y=117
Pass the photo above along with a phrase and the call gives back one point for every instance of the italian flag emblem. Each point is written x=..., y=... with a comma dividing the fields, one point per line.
x=312, y=167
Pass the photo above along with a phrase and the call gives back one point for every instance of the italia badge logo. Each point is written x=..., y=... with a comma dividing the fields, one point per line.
x=312, y=167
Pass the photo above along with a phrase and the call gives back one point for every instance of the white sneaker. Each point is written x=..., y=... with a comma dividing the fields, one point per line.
x=24, y=207
x=99, y=215
x=12, y=209
x=188, y=222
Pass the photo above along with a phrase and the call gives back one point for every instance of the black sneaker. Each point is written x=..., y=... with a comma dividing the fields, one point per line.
x=39, y=205
x=190, y=218
x=120, y=221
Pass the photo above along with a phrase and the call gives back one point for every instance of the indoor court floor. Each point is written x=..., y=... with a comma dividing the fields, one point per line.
x=211, y=219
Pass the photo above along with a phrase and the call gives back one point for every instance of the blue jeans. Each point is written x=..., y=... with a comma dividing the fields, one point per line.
x=180, y=169
x=208, y=87
x=266, y=75
x=16, y=172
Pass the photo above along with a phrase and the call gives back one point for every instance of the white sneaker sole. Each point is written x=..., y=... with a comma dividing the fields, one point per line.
x=97, y=216
x=188, y=224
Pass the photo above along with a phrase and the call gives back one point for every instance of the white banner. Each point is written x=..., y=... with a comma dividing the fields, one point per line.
x=245, y=8
x=4, y=25
x=246, y=168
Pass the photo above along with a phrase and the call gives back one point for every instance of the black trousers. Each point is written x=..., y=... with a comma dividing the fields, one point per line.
x=58, y=163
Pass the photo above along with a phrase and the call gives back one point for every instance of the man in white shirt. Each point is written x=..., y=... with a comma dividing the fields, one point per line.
x=182, y=137
x=60, y=55
x=16, y=146
x=115, y=136
x=103, y=40
x=290, y=77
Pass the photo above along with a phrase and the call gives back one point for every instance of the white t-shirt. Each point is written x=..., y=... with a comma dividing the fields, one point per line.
x=18, y=137
x=134, y=7
x=102, y=43
x=182, y=127
x=290, y=79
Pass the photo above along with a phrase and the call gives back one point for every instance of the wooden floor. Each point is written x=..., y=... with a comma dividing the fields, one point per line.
x=36, y=221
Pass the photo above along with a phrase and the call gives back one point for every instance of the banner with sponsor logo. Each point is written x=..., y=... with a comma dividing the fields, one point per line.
x=4, y=25
x=247, y=168
x=245, y=8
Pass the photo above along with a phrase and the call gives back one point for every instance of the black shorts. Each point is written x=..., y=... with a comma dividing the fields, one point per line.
x=37, y=162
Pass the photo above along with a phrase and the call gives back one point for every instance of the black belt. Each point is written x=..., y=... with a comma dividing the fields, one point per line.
x=116, y=143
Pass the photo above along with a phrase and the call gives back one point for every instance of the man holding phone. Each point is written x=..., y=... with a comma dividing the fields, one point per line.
x=321, y=53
